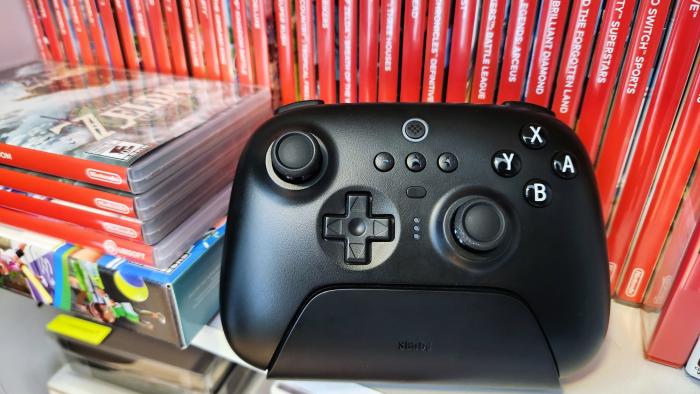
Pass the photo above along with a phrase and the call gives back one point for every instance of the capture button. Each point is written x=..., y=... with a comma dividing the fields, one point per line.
x=416, y=192
x=538, y=193
x=506, y=163
x=415, y=162
x=533, y=136
x=564, y=165
x=384, y=161
x=447, y=162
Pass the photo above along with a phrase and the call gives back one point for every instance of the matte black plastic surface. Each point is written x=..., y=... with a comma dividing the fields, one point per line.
x=552, y=257
x=418, y=335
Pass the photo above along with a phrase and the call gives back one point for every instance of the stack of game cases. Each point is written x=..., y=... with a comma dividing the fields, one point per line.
x=132, y=164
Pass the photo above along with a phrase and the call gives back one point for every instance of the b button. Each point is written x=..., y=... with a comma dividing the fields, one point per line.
x=506, y=163
x=533, y=136
x=538, y=193
x=564, y=165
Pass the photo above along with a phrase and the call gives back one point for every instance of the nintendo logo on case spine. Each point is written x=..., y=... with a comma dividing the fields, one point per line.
x=112, y=206
x=113, y=249
x=104, y=176
x=635, y=281
x=120, y=230
x=5, y=155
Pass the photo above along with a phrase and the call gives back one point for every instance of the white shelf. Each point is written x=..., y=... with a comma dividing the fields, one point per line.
x=619, y=367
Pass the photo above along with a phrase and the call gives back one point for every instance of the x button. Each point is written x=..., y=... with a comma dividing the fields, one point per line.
x=357, y=228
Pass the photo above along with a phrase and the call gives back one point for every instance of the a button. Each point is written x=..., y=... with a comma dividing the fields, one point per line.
x=506, y=163
x=415, y=129
x=298, y=104
x=564, y=165
x=415, y=162
x=528, y=106
x=357, y=228
x=296, y=156
x=538, y=193
x=416, y=192
x=479, y=224
x=384, y=161
x=533, y=136
x=447, y=162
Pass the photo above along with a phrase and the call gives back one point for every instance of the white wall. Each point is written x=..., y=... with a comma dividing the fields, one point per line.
x=17, y=44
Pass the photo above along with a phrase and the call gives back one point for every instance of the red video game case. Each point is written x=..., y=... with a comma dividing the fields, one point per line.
x=325, y=43
x=389, y=33
x=627, y=106
x=368, y=52
x=412, y=50
x=516, y=53
x=436, y=43
x=651, y=217
x=488, y=56
x=547, y=47
x=671, y=335
x=574, y=60
x=306, y=52
x=347, y=46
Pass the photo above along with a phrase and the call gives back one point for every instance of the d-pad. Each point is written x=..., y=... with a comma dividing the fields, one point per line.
x=357, y=228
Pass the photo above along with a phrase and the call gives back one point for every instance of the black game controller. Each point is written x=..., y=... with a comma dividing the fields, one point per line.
x=413, y=242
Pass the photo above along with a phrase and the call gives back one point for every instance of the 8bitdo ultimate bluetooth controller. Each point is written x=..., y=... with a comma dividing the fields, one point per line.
x=415, y=242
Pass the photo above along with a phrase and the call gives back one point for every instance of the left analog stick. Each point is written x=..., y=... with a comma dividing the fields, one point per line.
x=296, y=156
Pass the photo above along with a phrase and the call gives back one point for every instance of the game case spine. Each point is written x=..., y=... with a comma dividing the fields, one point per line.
x=38, y=31
x=285, y=50
x=608, y=56
x=47, y=22
x=461, y=51
x=325, y=39
x=78, y=22
x=160, y=42
x=516, y=53
x=412, y=50
x=627, y=104
x=64, y=32
x=390, y=32
x=483, y=89
x=261, y=55
x=93, y=25
x=110, y=31
x=206, y=25
x=144, y=36
x=87, y=196
x=121, y=227
x=434, y=62
x=126, y=37
x=347, y=26
x=305, y=49
x=545, y=56
x=574, y=60
x=222, y=40
x=102, y=174
x=677, y=329
x=239, y=24
x=177, y=47
x=192, y=38
x=131, y=250
x=674, y=170
x=676, y=244
x=368, y=51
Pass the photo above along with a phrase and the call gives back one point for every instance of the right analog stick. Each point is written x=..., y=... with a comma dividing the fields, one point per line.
x=479, y=225
x=296, y=156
